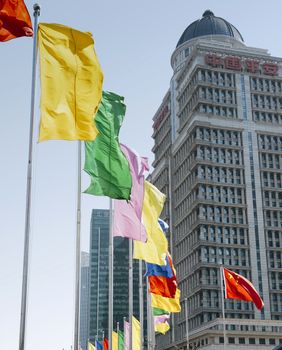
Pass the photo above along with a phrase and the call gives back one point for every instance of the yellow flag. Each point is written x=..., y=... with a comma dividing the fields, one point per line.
x=114, y=341
x=91, y=346
x=154, y=250
x=167, y=304
x=136, y=339
x=162, y=327
x=71, y=83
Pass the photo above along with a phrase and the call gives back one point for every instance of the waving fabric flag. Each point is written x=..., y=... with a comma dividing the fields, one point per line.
x=91, y=346
x=120, y=340
x=126, y=335
x=163, y=286
x=105, y=344
x=114, y=341
x=14, y=20
x=104, y=161
x=163, y=225
x=168, y=304
x=158, y=312
x=71, y=83
x=127, y=215
x=167, y=270
x=98, y=345
x=136, y=335
x=239, y=287
x=154, y=250
x=162, y=327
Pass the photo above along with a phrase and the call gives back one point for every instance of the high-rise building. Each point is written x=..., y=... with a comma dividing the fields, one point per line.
x=99, y=277
x=84, y=301
x=218, y=157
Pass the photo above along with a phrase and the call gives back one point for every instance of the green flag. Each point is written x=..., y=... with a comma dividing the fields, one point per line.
x=158, y=312
x=120, y=340
x=104, y=161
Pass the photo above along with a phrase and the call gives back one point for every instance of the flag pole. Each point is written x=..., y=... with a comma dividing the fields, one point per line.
x=141, y=303
x=149, y=318
x=223, y=308
x=111, y=275
x=36, y=15
x=77, y=249
x=186, y=323
x=98, y=281
x=117, y=327
x=130, y=291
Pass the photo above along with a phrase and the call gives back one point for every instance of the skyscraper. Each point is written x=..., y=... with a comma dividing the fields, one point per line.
x=218, y=157
x=99, y=277
x=84, y=301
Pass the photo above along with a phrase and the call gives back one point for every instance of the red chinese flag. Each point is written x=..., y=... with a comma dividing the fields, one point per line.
x=238, y=287
x=14, y=20
x=105, y=344
x=163, y=286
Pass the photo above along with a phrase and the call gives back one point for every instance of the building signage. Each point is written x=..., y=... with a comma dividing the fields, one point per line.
x=242, y=64
x=161, y=117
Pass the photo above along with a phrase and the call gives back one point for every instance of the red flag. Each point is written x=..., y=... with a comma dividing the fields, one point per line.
x=14, y=20
x=238, y=287
x=163, y=286
x=105, y=344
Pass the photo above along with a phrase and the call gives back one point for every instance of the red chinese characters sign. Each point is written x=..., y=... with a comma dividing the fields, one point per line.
x=242, y=64
x=160, y=117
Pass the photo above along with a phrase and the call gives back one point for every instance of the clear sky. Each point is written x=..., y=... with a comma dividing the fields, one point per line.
x=134, y=42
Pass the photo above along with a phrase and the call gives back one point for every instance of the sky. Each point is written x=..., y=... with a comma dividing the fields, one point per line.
x=134, y=42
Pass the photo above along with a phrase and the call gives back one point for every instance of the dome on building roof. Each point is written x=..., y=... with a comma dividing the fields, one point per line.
x=209, y=24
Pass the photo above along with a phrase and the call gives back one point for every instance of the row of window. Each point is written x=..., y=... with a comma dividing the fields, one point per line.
x=275, y=280
x=266, y=102
x=272, y=199
x=264, y=117
x=266, y=85
x=229, y=195
x=219, y=136
x=273, y=218
x=274, y=239
x=217, y=95
x=271, y=161
x=219, y=214
x=226, y=256
x=271, y=179
x=226, y=235
x=270, y=142
x=275, y=259
x=219, y=155
x=220, y=174
x=217, y=78
x=226, y=112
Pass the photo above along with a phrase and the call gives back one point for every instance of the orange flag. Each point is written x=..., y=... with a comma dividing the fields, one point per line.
x=238, y=287
x=105, y=344
x=163, y=286
x=14, y=20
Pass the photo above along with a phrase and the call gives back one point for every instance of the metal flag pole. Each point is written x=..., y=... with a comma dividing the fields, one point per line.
x=98, y=281
x=111, y=275
x=149, y=318
x=187, y=325
x=223, y=308
x=117, y=327
x=36, y=15
x=130, y=291
x=141, y=304
x=77, y=249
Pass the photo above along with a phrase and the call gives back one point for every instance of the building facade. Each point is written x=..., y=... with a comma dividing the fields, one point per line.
x=99, y=278
x=218, y=157
x=84, y=301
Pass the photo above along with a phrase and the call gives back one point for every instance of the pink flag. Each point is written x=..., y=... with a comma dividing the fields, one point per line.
x=126, y=335
x=127, y=215
x=161, y=319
